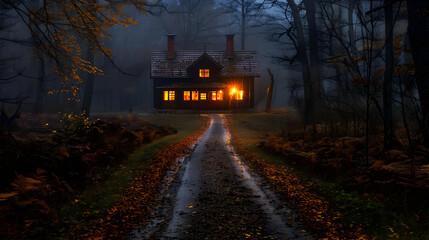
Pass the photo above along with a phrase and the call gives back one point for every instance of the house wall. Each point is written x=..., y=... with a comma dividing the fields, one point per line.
x=245, y=84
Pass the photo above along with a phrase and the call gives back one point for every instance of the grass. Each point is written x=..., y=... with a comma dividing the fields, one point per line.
x=96, y=198
x=383, y=220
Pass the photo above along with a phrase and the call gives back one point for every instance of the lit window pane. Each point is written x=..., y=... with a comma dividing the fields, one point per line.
x=171, y=95
x=240, y=95
x=187, y=95
x=194, y=95
x=220, y=95
x=214, y=95
x=204, y=73
x=165, y=95
x=203, y=96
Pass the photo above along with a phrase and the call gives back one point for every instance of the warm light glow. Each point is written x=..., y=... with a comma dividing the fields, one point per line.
x=169, y=95
x=203, y=96
x=187, y=95
x=220, y=95
x=236, y=94
x=194, y=95
x=217, y=95
x=240, y=95
x=165, y=95
x=204, y=73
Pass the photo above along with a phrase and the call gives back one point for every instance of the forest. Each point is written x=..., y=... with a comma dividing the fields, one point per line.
x=230, y=119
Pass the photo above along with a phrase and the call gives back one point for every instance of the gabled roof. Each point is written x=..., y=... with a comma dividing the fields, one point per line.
x=205, y=56
x=243, y=64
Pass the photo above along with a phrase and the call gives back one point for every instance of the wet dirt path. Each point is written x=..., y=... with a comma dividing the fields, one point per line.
x=213, y=195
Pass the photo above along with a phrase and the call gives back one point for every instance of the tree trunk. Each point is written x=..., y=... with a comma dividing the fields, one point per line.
x=302, y=55
x=40, y=95
x=269, y=91
x=317, y=86
x=388, y=77
x=243, y=24
x=351, y=28
x=89, y=86
x=418, y=30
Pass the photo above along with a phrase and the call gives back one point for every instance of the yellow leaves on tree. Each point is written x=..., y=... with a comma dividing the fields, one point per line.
x=63, y=29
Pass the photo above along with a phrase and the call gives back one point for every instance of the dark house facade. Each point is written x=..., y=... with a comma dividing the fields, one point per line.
x=204, y=80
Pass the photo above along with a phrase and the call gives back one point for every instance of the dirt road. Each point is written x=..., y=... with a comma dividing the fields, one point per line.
x=213, y=195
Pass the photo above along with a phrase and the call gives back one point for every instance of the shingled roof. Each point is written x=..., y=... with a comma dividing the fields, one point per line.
x=243, y=64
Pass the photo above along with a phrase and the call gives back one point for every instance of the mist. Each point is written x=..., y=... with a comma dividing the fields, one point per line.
x=125, y=83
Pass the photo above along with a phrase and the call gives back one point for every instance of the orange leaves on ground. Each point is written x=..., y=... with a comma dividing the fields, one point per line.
x=138, y=200
x=311, y=208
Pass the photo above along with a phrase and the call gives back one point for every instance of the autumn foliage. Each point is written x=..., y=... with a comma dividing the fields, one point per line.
x=314, y=210
x=39, y=174
x=138, y=200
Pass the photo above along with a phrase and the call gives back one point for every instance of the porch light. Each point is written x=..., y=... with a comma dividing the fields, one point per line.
x=236, y=94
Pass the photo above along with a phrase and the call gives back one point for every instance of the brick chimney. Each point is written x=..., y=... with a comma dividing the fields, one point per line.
x=170, y=46
x=230, y=46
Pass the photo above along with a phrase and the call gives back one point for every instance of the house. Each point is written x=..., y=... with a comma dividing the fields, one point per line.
x=204, y=80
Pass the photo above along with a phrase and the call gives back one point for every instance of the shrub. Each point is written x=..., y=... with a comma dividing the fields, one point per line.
x=71, y=123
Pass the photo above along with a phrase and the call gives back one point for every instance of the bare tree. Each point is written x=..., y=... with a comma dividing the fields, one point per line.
x=61, y=29
x=197, y=21
x=418, y=29
x=244, y=12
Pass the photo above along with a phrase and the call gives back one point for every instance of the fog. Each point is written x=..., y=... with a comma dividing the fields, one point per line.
x=126, y=83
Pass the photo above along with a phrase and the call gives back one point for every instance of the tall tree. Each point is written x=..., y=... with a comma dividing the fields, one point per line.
x=61, y=29
x=418, y=30
x=244, y=12
x=198, y=21
x=316, y=82
x=388, y=75
x=303, y=57
x=41, y=86
x=89, y=86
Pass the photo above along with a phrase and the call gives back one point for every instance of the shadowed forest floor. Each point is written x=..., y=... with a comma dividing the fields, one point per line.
x=235, y=176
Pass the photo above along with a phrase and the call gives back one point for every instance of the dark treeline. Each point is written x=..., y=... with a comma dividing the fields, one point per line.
x=357, y=67
x=361, y=65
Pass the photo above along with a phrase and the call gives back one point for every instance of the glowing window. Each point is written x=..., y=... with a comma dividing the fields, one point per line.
x=187, y=95
x=194, y=95
x=169, y=95
x=165, y=95
x=203, y=96
x=204, y=73
x=236, y=94
x=240, y=95
x=219, y=95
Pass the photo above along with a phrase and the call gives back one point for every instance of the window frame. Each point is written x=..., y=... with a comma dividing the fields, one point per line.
x=204, y=72
x=197, y=93
x=168, y=95
x=184, y=94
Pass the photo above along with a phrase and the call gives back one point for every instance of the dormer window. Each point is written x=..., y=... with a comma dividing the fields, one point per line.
x=204, y=73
